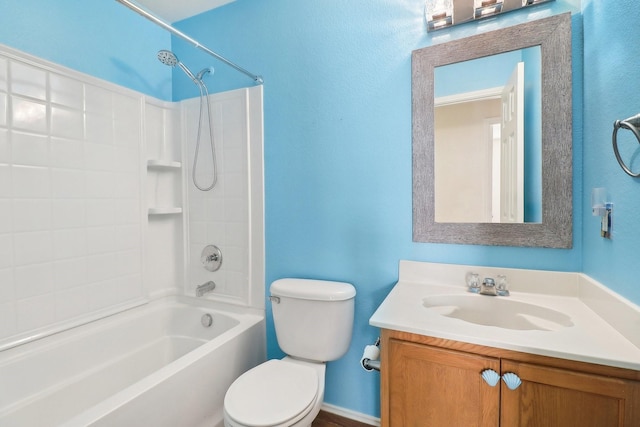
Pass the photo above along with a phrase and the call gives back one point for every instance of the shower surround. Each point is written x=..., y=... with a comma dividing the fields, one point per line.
x=81, y=163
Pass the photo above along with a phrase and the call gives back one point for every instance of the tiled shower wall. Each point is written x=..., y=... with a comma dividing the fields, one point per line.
x=221, y=216
x=229, y=216
x=76, y=242
x=70, y=196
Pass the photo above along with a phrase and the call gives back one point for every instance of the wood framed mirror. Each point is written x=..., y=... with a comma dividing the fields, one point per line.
x=552, y=226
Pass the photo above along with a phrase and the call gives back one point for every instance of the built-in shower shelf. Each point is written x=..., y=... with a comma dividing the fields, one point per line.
x=165, y=164
x=165, y=210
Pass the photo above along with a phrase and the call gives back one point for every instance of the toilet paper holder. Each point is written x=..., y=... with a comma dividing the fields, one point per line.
x=370, y=356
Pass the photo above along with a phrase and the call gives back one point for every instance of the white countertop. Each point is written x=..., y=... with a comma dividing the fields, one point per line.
x=592, y=338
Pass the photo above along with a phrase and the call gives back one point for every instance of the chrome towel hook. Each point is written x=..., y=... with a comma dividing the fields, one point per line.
x=632, y=124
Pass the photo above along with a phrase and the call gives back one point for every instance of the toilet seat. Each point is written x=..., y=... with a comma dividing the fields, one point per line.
x=271, y=394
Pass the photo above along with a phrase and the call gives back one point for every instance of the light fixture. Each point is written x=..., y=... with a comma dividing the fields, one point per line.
x=486, y=8
x=439, y=13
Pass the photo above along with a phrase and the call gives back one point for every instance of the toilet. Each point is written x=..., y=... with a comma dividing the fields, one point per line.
x=313, y=321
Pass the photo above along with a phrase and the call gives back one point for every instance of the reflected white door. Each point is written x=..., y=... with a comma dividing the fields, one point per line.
x=512, y=148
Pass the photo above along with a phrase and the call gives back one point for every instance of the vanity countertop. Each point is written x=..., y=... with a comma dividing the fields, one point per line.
x=605, y=328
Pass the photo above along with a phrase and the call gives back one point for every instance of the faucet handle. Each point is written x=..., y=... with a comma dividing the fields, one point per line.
x=473, y=282
x=501, y=286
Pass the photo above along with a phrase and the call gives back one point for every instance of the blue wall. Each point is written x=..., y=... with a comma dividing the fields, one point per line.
x=611, y=92
x=337, y=97
x=338, y=131
x=464, y=77
x=97, y=37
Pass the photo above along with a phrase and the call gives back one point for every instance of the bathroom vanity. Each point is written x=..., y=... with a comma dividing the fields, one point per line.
x=428, y=381
x=561, y=350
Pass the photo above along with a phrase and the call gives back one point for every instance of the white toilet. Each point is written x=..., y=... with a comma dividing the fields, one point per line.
x=314, y=322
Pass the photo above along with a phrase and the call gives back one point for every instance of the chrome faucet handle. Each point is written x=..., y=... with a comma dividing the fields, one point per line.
x=473, y=282
x=501, y=286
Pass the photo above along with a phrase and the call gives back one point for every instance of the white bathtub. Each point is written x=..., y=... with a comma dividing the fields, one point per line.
x=155, y=365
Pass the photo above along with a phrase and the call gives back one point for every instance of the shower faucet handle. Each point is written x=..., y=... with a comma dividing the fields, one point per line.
x=211, y=258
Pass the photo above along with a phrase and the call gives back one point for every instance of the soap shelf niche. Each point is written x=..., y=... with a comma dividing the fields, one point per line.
x=165, y=210
x=163, y=164
x=160, y=172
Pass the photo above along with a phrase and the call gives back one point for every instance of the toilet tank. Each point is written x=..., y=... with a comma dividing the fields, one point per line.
x=313, y=318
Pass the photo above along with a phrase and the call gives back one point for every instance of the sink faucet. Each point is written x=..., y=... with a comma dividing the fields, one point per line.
x=488, y=287
x=205, y=288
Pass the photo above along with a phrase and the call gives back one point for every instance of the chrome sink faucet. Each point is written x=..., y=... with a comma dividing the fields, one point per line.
x=489, y=286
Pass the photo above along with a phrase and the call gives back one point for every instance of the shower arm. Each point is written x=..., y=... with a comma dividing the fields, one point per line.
x=173, y=30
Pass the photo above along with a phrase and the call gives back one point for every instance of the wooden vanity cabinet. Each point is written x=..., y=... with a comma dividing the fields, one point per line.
x=434, y=382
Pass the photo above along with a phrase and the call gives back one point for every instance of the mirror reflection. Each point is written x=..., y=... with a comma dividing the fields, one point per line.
x=487, y=118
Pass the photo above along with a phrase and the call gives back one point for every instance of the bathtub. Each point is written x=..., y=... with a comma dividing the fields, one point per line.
x=154, y=365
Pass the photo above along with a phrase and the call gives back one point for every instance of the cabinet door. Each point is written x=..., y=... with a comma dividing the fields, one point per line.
x=429, y=386
x=553, y=397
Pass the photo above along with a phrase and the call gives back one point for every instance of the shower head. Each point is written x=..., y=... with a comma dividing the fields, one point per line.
x=169, y=58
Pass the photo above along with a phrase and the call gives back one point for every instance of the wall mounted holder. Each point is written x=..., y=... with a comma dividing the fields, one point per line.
x=602, y=208
x=632, y=124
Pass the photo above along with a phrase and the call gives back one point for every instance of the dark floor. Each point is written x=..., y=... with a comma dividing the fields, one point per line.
x=326, y=419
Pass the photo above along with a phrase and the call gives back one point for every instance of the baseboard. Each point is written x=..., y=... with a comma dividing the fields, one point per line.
x=352, y=415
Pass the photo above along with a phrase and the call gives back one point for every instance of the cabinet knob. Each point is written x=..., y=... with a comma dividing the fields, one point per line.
x=491, y=377
x=511, y=380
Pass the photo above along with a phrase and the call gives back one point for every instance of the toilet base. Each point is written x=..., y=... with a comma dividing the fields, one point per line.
x=305, y=421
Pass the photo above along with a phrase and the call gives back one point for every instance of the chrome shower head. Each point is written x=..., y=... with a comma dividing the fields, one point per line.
x=169, y=58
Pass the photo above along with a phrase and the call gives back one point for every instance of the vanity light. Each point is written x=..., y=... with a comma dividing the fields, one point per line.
x=439, y=13
x=486, y=8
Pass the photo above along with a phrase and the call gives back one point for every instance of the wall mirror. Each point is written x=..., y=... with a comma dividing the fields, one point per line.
x=534, y=206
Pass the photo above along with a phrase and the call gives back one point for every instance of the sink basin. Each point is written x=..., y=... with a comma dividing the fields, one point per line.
x=500, y=312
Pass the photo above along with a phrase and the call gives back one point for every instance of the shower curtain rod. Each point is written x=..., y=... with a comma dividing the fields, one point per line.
x=173, y=30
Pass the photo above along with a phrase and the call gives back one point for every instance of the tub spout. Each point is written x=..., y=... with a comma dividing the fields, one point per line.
x=205, y=288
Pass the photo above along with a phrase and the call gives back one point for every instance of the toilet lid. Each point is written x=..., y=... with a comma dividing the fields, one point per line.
x=271, y=393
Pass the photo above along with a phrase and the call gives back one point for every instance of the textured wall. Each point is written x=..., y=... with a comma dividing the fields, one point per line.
x=101, y=38
x=611, y=74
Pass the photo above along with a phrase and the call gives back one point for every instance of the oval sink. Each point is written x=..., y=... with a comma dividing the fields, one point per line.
x=500, y=312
